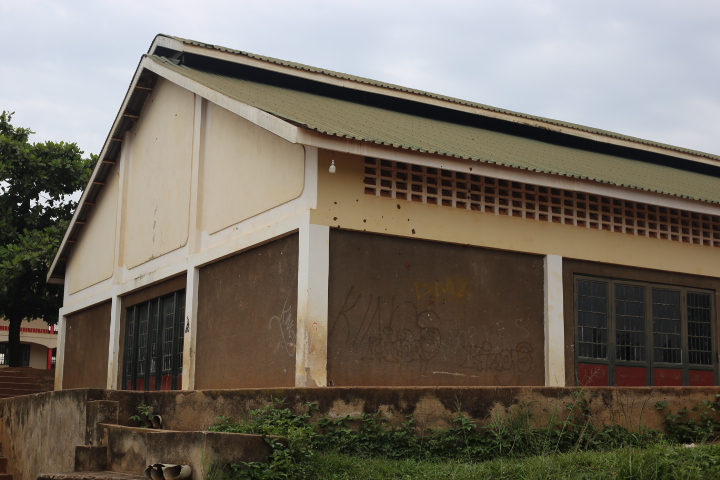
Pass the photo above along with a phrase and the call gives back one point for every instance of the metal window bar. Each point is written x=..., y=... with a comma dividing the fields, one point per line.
x=629, y=323
x=699, y=318
x=153, y=382
x=179, y=338
x=142, y=346
x=667, y=325
x=467, y=191
x=168, y=328
x=130, y=349
x=592, y=330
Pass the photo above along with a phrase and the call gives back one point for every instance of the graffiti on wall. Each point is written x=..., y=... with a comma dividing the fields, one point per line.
x=413, y=337
x=285, y=328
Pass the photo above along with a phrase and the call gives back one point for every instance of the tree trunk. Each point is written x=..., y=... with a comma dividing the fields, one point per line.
x=15, y=352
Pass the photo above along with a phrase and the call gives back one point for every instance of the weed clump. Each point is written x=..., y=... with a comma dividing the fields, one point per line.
x=296, y=439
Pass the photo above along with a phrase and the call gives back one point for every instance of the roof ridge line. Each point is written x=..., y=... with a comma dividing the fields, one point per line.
x=445, y=98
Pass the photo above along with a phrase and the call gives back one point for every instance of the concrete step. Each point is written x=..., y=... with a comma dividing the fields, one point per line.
x=7, y=476
x=100, y=475
x=26, y=384
x=3, y=464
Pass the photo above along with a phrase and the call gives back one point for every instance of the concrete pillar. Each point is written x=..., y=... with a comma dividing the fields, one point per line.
x=114, y=346
x=193, y=273
x=60, y=357
x=554, y=323
x=190, y=333
x=312, y=311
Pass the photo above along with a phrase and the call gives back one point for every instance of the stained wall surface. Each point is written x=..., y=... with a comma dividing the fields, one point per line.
x=413, y=312
x=245, y=170
x=246, y=319
x=571, y=268
x=158, y=190
x=87, y=341
x=93, y=258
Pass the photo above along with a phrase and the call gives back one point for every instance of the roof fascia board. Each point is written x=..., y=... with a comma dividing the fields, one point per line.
x=93, y=177
x=356, y=147
x=346, y=83
x=166, y=42
x=265, y=120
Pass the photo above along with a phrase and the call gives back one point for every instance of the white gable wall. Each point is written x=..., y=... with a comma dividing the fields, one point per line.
x=245, y=170
x=158, y=194
x=93, y=258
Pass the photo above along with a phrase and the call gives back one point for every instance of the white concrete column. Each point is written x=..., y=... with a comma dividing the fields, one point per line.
x=190, y=334
x=114, y=356
x=312, y=310
x=193, y=273
x=554, y=323
x=114, y=347
x=60, y=355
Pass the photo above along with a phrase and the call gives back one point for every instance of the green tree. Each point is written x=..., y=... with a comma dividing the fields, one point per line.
x=36, y=180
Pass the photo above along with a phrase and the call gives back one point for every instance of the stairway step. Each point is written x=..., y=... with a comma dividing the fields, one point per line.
x=3, y=464
x=101, y=475
x=15, y=384
x=19, y=391
x=7, y=476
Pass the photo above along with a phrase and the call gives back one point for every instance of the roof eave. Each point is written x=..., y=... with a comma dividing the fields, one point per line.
x=372, y=86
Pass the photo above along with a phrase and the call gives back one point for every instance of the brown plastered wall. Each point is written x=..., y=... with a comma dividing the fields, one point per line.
x=143, y=295
x=247, y=316
x=412, y=312
x=87, y=341
x=578, y=267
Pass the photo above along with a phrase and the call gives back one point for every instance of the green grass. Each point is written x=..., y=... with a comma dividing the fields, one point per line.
x=657, y=462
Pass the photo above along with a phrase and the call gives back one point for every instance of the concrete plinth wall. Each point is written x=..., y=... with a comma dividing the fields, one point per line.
x=434, y=407
x=40, y=432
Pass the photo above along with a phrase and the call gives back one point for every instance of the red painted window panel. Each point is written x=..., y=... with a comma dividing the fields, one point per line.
x=668, y=377
x=140, y=384
x=591, y=375
x=166, y=382
x=179, y=381
x=702, y=378
x=631, y=376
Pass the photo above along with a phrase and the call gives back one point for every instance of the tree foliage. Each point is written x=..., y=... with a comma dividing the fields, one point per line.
x=36, y=180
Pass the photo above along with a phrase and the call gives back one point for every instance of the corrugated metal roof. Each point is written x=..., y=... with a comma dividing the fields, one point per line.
x=386, y=127
x=458, y=101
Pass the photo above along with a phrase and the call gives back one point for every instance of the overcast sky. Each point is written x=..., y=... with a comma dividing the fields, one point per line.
x=646, y=68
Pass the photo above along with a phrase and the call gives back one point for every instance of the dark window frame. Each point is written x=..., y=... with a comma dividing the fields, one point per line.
x=649, y=363
x=161, y=318
x=5, y=352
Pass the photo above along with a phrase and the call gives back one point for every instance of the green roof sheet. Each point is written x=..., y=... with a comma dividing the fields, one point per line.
x=458, y=101
x=386, y=127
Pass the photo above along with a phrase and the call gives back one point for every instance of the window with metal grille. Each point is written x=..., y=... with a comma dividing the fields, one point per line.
x=154, y=344
x=633, y=333
x=436, y=186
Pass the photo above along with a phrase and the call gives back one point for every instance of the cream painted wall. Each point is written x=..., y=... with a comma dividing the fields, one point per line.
x=38, y=356
x=93, y=258
x=158, y=192
x=343, y=203
x=245, y=170
x=27, y=324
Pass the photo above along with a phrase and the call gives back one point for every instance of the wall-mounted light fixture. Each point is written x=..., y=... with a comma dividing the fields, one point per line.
x=332, y=167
